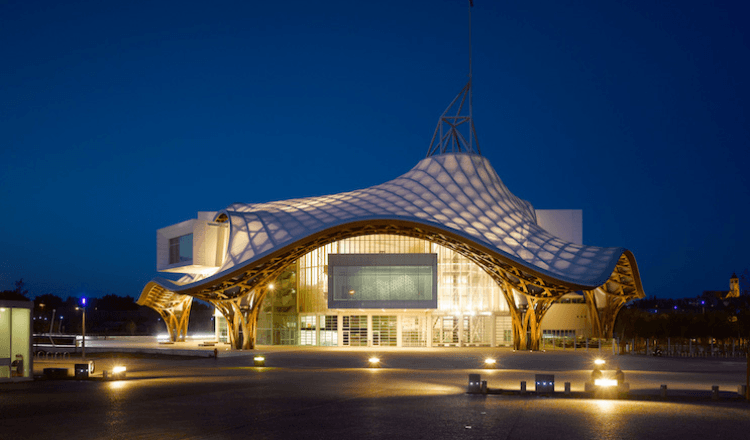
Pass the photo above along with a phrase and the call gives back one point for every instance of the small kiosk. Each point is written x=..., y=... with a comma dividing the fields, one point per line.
x=15, y=340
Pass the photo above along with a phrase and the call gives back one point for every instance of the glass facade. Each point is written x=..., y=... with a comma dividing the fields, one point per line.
x=382, y=281
x=469, y=308
x=15, y=342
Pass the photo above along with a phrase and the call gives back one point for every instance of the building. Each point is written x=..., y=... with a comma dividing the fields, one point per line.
x=733, y=292
x=15, y=339
x=443, y=255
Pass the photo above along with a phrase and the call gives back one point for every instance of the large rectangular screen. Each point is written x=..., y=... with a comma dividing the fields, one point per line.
x=382, y=281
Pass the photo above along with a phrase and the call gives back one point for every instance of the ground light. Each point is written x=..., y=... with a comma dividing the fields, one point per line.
x=605, y=383
x=374, y=362
x=118, y=372
x=490, y=363
x=259, y=361
x=599, y=362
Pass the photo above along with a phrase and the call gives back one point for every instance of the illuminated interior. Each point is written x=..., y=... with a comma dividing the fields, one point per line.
x=499, y=270
x=470, y=307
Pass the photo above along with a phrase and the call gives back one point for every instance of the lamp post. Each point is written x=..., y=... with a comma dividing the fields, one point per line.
x=83, y=328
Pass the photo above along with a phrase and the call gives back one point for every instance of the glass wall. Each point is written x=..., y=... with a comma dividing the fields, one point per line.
x=15, y=342
x=355, y=331
x=414, y=331
x=277, y=320
x=21, y=344
x=385, y=331
x=463, y=287
x=468, y=302
x=5, y=351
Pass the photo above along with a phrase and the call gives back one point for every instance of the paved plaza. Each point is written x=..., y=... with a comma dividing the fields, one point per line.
x=311, y=393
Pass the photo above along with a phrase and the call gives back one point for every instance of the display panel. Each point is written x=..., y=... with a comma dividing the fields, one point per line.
x=367, y=281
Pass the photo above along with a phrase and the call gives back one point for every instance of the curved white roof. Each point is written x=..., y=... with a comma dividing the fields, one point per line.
x=459, y=193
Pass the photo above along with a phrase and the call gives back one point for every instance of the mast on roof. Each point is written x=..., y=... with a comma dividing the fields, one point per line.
x=455, y=129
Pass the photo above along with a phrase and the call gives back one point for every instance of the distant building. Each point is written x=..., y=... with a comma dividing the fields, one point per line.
x=733, y=292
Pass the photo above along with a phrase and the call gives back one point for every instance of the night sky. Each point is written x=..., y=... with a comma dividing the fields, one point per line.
x=120, y=118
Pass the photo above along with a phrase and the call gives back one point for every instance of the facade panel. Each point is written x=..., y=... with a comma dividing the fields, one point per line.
x=404, y=281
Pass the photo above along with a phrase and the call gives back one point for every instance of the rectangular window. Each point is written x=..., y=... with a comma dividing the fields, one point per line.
x=413, y=331
x=384, y=331
x=355, y=331
x=174, y=250
x=181, y=249
x=328, y=331
x=401, y=281
x=307, y=330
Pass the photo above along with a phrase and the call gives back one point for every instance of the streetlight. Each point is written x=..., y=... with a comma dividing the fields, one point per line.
x=83, y=341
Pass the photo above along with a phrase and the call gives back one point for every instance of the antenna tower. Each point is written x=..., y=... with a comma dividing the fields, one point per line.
x=455, y=129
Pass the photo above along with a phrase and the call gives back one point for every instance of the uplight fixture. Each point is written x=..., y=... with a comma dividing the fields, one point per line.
x=605, y=382
x=118, y=372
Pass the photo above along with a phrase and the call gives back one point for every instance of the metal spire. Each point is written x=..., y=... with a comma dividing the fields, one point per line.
x=455, y=130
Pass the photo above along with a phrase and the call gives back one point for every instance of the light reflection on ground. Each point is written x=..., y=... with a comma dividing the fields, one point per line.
x=423, y=398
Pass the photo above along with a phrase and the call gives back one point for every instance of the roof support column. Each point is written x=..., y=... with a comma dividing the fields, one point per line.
x=227, y=310
x=603, y=318
x=519, y=330
x=537, y=308
x=527, y=323
x=591, y=305
x=241, y=314
x=176, y=318
x=609, y=312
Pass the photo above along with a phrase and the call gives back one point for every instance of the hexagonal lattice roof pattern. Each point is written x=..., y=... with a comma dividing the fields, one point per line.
x=458, y=193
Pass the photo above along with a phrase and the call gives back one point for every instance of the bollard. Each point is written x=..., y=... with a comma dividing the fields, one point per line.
x=523, y=387
x=216, y=353
x=475, y=383
x=663, y=391
x=715, y=392
x=484, y=387
x=742, y=390
x=567, y=388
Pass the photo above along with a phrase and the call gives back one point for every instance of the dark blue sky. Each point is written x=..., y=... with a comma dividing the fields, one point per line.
x=119, y=118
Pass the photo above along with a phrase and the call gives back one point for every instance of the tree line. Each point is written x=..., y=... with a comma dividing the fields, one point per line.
x=698, y=322
x=110, y=315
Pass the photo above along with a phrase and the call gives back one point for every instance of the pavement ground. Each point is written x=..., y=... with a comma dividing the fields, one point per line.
x=311, y=393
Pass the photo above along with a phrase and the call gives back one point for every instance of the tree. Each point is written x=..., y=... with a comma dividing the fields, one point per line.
x=20, y=288
x=48, y=302
x=745, y=283
x=17, y=294
x=114, y=303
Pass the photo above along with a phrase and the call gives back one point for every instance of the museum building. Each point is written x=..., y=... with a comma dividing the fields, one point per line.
x=443, y=255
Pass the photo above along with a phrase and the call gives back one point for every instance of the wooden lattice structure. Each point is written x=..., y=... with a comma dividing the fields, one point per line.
x=173, y=308
x=238, y=295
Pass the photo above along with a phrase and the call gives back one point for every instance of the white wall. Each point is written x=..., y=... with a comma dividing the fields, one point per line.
x=209, y=245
